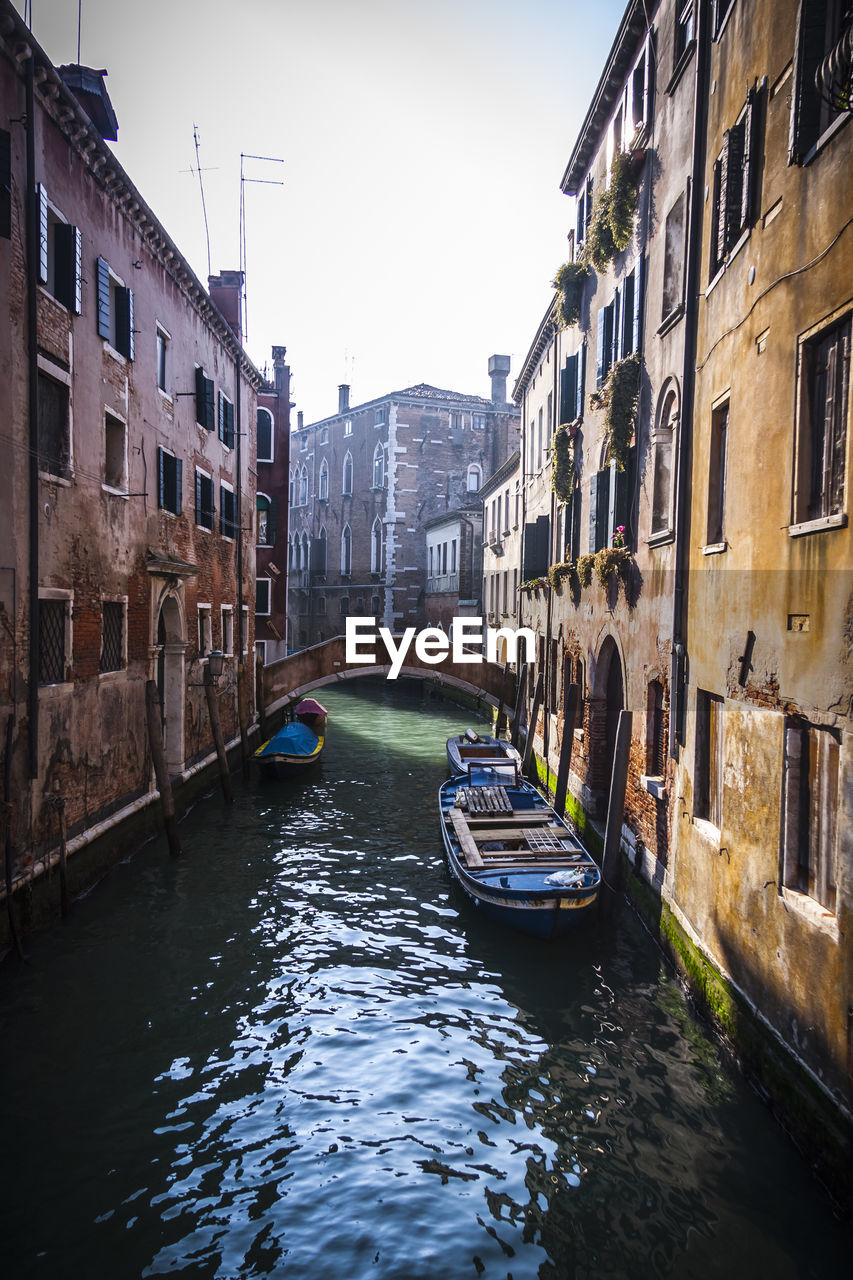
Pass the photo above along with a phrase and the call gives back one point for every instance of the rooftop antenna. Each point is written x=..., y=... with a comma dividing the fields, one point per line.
x=201, y=189
x=270, y=182
x=79, y=25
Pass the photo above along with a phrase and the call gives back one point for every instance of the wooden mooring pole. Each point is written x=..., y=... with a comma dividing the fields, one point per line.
x=213, y=710
x=500, y=722
x=570, y=711
x=243, y=717
x=611, y=862
x=161, y=771
x=59, y=802
x=519, y=702
x=528, y=766
x=259, y=697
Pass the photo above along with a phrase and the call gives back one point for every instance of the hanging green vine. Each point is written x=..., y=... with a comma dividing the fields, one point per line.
x=611, y=560
x=569, y=282
x=557, y=572
x=618, y=397
x=612, y=222
x=585, y=567
x=563, y=463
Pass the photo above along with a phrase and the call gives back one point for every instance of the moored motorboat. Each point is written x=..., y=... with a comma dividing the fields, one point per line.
x=298, y=742
x=472, y=748
x=517, y=861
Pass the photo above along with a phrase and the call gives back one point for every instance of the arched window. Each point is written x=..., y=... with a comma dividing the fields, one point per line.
x=303, y=486
x=346, y=481
x=378, y=467
x=663, y=447
x=265, y=436
x=321, y=550
x=304, y=557
x=294, y=552
x=475, y=477
x=266, y=521
x=346, y=550
x=376, y=547
x=323, y=486
x=291, y=489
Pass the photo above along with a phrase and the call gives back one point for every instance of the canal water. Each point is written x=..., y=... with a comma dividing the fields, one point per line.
x=296, y=1052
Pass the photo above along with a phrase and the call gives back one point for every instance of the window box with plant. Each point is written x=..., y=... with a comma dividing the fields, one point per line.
x=612, y=222
x=559, y=572
x=569, y=283
x=618, y=397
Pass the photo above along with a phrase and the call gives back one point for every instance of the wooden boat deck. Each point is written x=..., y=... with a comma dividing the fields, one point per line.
x=525, y=836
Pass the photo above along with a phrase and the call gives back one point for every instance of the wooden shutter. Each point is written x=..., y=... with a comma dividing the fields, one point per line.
x=637, y=319
x=805, y=99
x=229, y=424
x=272, y=522
x=602, y=509
x=747, y=166
x=627, y=326
x=200, y=397
x=41, y=196
x=131, y=347
x=734, y=182
x=616, y=327
x=623, y=506
x=179, y=484
x=581, y=371
x=601, y=367
x=77, y=300
x=161, y=477
x=5, y=184
x=198, y=500
x=103, y=318
x=588, y=204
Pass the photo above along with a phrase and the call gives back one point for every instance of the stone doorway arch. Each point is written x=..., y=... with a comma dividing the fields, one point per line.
x=169, y=650
x=606, y=703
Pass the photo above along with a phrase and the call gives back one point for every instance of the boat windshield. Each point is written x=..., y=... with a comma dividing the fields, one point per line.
x=492, y=775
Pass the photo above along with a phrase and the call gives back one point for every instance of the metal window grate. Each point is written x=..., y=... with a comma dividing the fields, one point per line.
x=51, y=641
x=112, y=636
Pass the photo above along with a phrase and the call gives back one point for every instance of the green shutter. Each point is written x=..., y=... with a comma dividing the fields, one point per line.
x=161, y=477
x=41, y=195
x=178, y=485
x=103, y=317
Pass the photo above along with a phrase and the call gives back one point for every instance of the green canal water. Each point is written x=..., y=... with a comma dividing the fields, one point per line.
x=296, y=1052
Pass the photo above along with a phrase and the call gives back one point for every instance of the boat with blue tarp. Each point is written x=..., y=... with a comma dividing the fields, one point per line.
x=515, y=858
x=298, y=742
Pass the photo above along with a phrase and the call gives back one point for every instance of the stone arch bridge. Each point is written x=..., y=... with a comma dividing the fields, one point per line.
x=291, y=678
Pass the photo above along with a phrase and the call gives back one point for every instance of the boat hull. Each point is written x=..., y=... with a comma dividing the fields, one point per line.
x=513, y=889
x=484, y=752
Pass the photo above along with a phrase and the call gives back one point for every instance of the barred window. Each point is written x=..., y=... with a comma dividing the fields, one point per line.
x=52, y=616
x=112, y=636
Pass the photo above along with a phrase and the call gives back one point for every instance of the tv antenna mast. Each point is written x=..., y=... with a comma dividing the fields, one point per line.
x=269, y=182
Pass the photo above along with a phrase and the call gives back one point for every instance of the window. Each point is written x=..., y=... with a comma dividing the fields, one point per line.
x=731, y=210
x=708, y=759
x=169, y=482
x=474, y=477
x=821, y=442
x=204, y=510
x=375, y=606
x=536, y=548
x=620, y=323
x=663, y=454
x=266, y=521
x=655, y=731
x=683, y=31
x=811, y=794
x=348, y=427
x=718, y=464
x=820, y=29
x=244, y=632
x=320, y=551
x=227, y=511
x=346, y=550
x=263, y=592
x=54, y=434
x=261, y=652
x=673, y=263
x=346, y=480
x=324, y=435
x=204, y=400
x=611, y=499
x=226, y=421
x=303, y=444
x=115, y=310
x=60, y=262
x=323, y=487
x=321, y=606
x=162, y=359
x=112, y=636
x=227, y=618
x=376, y=547
x=721, y=12
x=115, y=453
x=572, y=387
x=379, y=467
x=265, y=436
x=303, y=486
x=478, y=421
x=379, y=416
x=205, y=630
x=291, y=489
x=344, y=606
x=640, y=92
x=584, y=214
x=54, y=647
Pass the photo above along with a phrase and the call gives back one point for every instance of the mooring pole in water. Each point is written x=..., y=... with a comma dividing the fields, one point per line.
x=213, y=710
x=611, y=861
x=528, y=767
x=500, y=722
x=243, y=717
x=519, y=699
x=259, y=696
x=161, y=771
x=570, y=711
x=58, y=803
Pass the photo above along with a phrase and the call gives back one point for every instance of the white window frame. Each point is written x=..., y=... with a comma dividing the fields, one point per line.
x=51, y=370
x=205, y=630
x=263, y=613
x=263, y=409
x=226, y=622
x=229, y=488
x=116, y=671
x=162, y=334
x=211, y=528
x=61, y=593
x=119, y=490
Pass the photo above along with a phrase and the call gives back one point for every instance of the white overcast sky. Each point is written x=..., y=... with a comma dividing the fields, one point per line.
x=420, y=221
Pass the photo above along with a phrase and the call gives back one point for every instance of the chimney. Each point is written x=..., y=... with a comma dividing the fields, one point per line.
x=343, y=398
x=498, y=371
x=281, y=370
x=226, y=291
x=300, y=420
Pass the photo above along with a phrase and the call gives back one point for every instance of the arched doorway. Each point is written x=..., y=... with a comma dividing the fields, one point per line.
x=170, y=650
x=608, y=701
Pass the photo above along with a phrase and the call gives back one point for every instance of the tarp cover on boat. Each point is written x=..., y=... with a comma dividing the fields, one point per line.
x=294, y=739
x=310, y=707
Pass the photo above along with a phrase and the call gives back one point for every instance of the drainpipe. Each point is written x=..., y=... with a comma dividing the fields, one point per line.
x=32, y=359
x=238, y=431
x=678, y=679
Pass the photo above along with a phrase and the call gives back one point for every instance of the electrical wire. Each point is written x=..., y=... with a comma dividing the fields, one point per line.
x=789, y=275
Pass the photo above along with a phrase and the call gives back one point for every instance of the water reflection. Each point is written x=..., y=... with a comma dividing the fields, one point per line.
x=296, y=1052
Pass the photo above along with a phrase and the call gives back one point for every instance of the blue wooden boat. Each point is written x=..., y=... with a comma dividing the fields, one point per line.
x=517, y=861
x=298, y=742
x=468, y=748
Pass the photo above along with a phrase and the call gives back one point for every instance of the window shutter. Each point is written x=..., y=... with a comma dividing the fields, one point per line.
x=747, y=166
x=624, y=497
x=272, y=522
x=220, y=418
x=805, y=100
x=565, y=396
x=628, y=307
x=77, y=302
x=198, y=502
x=637, y=336
x=41, y=195
x=200, y=397
x=229, y=424
x=5, y=184
x=734, y=182
x=63, y=263
x=588, y=204
x=179, y=483
x=602, y=509
x=593, y=511
x=581, y=371
x=103, y=319
x=616, y=327
x=718, y=219
x=580, y=221
x=601, y=366
x=129, y=352
x=161, y=476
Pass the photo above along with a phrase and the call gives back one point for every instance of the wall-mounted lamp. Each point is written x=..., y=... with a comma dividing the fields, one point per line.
x=215, y=663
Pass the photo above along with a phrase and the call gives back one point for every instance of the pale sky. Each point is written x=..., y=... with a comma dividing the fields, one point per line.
x=420, y=221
